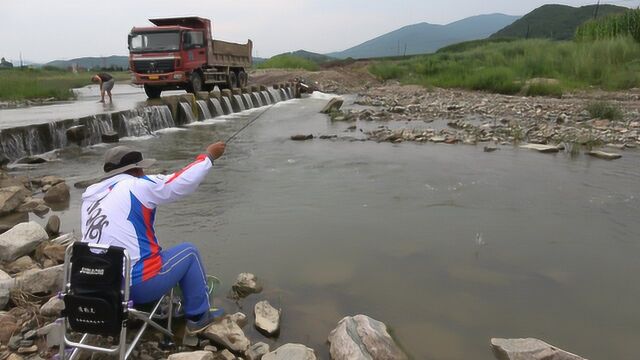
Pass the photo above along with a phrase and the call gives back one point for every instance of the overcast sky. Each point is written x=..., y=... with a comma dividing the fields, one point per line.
x=45, y=30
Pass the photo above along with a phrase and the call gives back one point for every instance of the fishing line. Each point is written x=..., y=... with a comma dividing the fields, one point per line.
x=247, y=124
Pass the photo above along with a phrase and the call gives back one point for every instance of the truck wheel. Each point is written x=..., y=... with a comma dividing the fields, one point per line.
x=232, y=80
x=243, y=79
x=153, y=92
x=195, y=83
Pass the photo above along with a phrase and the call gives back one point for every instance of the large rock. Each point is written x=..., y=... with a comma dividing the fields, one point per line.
x=58, y=193
x=227, y=333
x=541, y=148
x=110, y=137
x=21, y=264
x=257, y=351
x=8, y=326
x=195, y=355
x=31, y=204
x=267, y=318
x=529, y=349
x=361, y=337
x=53, y=307
x=333, y=105
x=44, y=281
x=11, y=197
x=49, y=180
x=21, y=240
x=246, y=284
x=5, y=291
x=9, y=221
x=291, y=352
x=604, y=155
x=53, y=225
x=54, y=252
x=77, y=133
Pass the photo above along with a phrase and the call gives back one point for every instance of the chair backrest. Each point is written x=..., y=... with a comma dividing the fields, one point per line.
x=94, y=303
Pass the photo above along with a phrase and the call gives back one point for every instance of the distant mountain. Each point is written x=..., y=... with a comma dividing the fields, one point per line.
x=311, y=56
x=93, y=62
x=426, y=38
x=557, y=22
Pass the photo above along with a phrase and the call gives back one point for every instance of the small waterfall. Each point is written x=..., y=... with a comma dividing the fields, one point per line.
x=248, y=101
x=239, y=103
x=204, y=110
x=216, y=107
x=255, y=97
x=135, y=126
x=188, y=113
x=226, y=105
x=266, y=99
x=275, y=95
x=284, y=94
x=58, y=134
x=289, y=93
x=96, y=126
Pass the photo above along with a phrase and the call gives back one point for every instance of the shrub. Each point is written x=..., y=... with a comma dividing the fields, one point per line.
x=544, y=89
x=287, y=61
x=604, y=110
x=386, y=70
x=500, y=80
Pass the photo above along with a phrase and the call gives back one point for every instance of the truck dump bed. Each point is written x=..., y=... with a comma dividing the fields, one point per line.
x=223, y=53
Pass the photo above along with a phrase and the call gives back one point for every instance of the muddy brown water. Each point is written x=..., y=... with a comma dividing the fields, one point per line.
x=337, y=228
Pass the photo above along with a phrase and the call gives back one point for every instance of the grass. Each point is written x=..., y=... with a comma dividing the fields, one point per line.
x=22, y=84
x=287, y=61
x=604, y=110
x=543, y=89
x=505, y=67
x=610, y=27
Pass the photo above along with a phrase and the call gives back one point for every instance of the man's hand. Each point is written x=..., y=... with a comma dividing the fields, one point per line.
x=217, y=149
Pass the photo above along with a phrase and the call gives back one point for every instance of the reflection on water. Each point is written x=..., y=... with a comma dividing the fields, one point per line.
x=448, y=245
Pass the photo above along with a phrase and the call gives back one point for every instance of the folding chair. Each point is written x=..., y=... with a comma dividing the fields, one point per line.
x=96, y=297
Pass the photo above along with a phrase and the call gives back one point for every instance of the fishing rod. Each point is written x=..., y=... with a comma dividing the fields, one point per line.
x=247, y=125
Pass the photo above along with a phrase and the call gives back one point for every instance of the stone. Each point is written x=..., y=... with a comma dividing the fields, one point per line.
x=31, y=160
x=528, y=349
x=54, y=252
x=490, y=148
x=604, y=155
x=333, y=105
x=227, y=333
x=195, y=355
x=267, y=318
x=210, y=348
x=15, y=357
x=291, y=352
x=246, y=284
x=58, y=193
x=239, y=318
x=225, y=355
x=438, y=139
x=9, y=221
x=301, y=137
x=21, y=240
x=110, y=137
x=21, y=264
x=30, y=204
x=28, y=349
x=546, y=149
x=53, y=225
x=40, y=281
x=6, y=283
x=11, y=198
x=361, y=337
x=257, y=351
x=77, y=133
x=49, y=180
x=53, y=307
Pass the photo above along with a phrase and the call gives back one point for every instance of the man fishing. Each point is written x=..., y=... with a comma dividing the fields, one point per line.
x=106, y=82
x=120, y=211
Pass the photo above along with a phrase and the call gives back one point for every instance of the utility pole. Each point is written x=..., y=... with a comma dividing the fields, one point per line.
x=595, y=12
x=405, y=49
x=398, y=47
x=21, y=64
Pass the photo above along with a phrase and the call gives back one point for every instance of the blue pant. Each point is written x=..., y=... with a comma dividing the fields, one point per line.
x=181, y=264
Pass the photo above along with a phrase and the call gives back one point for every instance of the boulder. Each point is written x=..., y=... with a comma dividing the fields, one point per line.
x=490, y=148
x=54, y=252
x=8, y=180
x=225, y=355
x=4, y=161
x=541, y=148
x=604, y=155
x=227, y=333
x=58, y=193
x=301, y=137
x=21, y=264
x=5, y=294
x=333, y=105
x=195, y=355
x=11, y=197
x=21, y=240
x=77, y=133
x=8, y=326
x=528, y=349
x=40, y=281
x=53, y=225
x=361, y=337
x=291, y=352
x=31, y=204
x=256, y=351
x=48, y=180
x=246, y=284
x=239, y=318
x=9, y=221
x=267, y=318
x=53, y=307
x=110, y=137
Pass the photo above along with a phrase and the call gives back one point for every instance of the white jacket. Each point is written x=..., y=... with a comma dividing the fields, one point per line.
x=121, y=211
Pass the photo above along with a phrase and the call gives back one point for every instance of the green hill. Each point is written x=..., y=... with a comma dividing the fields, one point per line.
x=113, y=61
x=311, y=56
x=557, y=22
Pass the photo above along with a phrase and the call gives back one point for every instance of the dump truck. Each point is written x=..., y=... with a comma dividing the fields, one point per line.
x=180, y=53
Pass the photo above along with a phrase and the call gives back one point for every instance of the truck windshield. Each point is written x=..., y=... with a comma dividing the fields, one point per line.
x=154, y=41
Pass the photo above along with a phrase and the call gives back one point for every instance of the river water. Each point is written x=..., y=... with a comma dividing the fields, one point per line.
x=446, y=244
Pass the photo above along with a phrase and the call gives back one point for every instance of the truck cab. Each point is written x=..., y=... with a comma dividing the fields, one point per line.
x=179, y=53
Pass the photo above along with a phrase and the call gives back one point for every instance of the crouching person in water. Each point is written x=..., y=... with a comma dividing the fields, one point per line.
x=120, y=211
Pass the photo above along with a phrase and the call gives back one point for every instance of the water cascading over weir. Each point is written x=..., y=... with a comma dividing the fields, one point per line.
x=28, y=140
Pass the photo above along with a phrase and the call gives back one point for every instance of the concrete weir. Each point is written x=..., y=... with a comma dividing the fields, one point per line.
x=168, y=111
